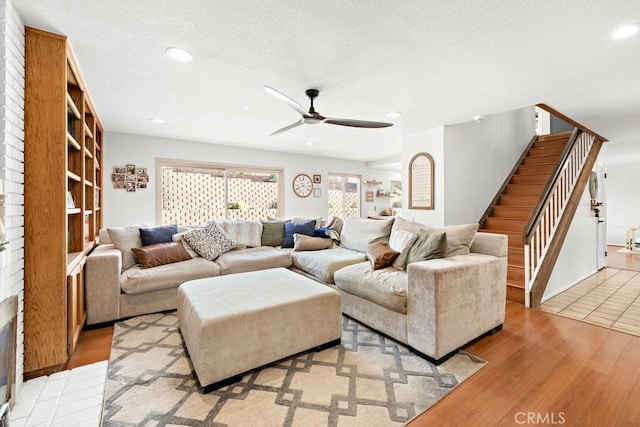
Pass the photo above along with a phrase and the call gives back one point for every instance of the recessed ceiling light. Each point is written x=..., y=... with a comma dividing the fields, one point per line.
x=394, y=114
x=309, y=143
x=624, y=32
x=178, y=54
x=156, y=120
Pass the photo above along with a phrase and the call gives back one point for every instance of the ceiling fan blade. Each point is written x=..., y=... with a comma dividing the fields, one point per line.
x=286, y=128
x=284, y=98
x=356, y=123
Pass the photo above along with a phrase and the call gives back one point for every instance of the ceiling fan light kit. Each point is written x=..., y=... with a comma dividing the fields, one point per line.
x=312, y=117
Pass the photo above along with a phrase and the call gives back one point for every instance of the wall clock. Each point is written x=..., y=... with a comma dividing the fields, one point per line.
x=302, y=185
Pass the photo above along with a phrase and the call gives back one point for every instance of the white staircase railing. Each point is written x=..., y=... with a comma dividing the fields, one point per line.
x=537, y=240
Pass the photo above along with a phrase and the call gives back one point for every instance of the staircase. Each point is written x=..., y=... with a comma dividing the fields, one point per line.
x=515, y=205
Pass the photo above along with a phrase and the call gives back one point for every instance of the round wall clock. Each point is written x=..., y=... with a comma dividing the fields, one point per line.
x=302, y=185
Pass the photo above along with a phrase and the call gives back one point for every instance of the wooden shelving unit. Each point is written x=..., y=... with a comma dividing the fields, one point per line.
x=63, y=154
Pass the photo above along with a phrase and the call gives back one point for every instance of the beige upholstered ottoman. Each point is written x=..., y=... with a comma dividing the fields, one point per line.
x=234, y=324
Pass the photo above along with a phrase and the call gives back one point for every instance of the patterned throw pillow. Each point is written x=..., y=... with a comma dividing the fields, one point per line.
x=209, y=241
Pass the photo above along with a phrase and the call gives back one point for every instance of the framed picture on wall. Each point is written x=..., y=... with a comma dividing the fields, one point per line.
x=317, y=192
x=421, y=182
x=317, y=179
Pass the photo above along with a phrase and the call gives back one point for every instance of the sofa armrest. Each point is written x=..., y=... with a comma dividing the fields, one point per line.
x=102, y=284
x=451, y=301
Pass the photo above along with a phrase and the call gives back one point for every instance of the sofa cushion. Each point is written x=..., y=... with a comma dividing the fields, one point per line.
x=428, y=246
x=459, y=237
x=160, y=234
x=323, y=264
x=272, y=233
x=138, y=280
x=308, y=243
x=210, y=241
x=252, y=259
x=126, y=238
x=401, y=241
x=291, y=228
x=360, y=233
x=381, y=255
x=243, y=232
x=386, y=287
x=161, y=254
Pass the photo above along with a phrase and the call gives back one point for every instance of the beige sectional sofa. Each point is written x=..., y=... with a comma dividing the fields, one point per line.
x=434, y=306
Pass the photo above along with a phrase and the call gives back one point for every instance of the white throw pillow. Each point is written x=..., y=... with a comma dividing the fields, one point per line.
x=401, y=241
x=360, y=233
x=209, y=241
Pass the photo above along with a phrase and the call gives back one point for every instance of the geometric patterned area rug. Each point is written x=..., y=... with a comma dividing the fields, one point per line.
x=367, y=380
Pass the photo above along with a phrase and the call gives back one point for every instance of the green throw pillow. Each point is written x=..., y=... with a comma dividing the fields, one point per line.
x=272, y=233
x=428, y=246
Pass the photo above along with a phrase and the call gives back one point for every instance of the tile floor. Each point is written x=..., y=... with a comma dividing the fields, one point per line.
x=66, y=398
x=609, y=298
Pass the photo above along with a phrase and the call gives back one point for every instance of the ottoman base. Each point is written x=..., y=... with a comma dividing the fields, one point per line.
x=237, y=378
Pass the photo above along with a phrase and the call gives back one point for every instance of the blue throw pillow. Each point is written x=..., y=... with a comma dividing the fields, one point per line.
x=291, y=228
x=320, y=232
x=161, y=234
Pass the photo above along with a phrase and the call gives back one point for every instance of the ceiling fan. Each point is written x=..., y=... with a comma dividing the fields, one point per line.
x=312, y=117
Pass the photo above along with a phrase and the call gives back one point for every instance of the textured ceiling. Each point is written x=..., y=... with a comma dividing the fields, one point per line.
x=438, y=62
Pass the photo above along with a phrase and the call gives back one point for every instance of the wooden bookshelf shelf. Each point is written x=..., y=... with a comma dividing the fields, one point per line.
x=72, y=107
x=73, y=176
x=72, y=142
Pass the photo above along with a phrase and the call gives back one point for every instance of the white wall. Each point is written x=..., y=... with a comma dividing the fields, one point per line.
x=122, y=208
x=12, y=165
x=430, y=141
x=623, y=198
x=578, y=257
x=478, y=157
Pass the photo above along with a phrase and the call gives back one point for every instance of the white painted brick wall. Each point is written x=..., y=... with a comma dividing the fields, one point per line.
x=12, y=163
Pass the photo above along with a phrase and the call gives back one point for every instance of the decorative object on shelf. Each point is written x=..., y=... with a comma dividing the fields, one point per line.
x=421, y=182
x=129, y=178
x=368, y=196
x=317, y=179
x=386, y=212
x=71, y=204
x=317, y=192
x=369, y=193
x=302, y=185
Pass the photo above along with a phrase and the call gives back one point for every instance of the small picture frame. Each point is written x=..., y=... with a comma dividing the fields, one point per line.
x=141, y=171
x=131, y=169
x=71, y=204
x=141, y=184
x=120, y=171
x=118, y=185
x=317, y=192
x=143, y=178
x=131, y=178
x=130, y=186
x=317, y=179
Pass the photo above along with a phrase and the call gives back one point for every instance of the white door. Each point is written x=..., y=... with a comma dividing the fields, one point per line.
x=601, y=170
